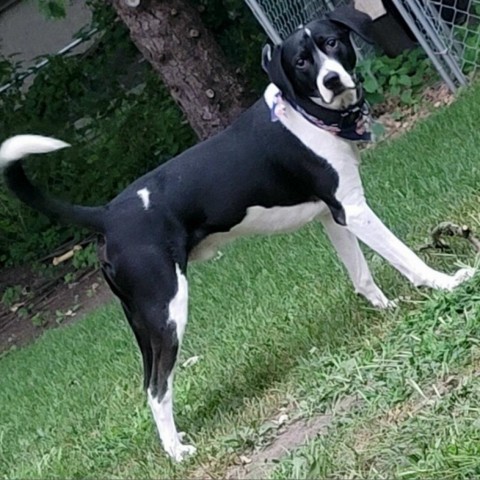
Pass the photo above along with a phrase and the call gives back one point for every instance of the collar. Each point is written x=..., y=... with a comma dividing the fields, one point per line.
x=352, y=123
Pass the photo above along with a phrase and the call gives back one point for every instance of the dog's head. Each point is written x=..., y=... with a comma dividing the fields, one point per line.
x=316, y=62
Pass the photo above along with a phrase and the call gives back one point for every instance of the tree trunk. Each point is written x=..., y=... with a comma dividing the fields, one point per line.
x=172, y=37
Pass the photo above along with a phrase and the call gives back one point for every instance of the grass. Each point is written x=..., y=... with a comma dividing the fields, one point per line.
x=278, y=329
x=417, y=386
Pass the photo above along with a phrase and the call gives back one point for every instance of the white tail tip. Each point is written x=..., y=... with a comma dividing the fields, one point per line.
x=20, y=146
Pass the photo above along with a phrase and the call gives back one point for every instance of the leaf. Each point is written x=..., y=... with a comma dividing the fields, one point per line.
x=370, y=84
x=406, y=96
x=395, y=90
x=405, y=80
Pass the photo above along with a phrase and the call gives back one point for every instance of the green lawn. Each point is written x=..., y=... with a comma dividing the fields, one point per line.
x=278, y=330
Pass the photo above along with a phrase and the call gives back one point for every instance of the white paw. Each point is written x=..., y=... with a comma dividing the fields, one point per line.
x=464, y=274
x=378, y=299
x=384, y=304
x=459, y=277
x=179, y=452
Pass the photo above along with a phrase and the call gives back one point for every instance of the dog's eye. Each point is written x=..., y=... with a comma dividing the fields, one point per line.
x=301, y=62
x=331, y=42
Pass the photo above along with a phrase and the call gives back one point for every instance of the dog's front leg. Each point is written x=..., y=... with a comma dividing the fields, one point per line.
x=348, y=249
x=368, y=228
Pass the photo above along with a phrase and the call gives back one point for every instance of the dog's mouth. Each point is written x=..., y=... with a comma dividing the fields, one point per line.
x=338, y=90
x=338, y=96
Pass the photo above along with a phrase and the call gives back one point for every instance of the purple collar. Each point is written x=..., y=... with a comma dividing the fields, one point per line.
x=352, y=124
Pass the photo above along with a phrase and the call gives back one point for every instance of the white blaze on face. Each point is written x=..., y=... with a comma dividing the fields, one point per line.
x=328, y=65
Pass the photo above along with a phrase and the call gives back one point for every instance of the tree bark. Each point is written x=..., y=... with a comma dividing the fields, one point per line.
x=172, y=37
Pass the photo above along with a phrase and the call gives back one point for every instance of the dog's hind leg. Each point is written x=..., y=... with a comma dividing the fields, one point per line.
x=368, y=228
x=143, y=339
x=166, y=321
x=154, y=295
x=348, y=249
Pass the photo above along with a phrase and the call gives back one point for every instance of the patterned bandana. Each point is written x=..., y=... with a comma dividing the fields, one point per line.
x=352, y=124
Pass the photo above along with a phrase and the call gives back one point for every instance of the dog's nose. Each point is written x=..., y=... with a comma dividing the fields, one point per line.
x=332, y=81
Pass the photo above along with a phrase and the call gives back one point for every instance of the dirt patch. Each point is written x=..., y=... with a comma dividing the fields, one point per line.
x=43, y=299
x=261, y=463
x=397, y=119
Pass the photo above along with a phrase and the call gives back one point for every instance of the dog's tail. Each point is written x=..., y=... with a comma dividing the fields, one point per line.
x=19, y=146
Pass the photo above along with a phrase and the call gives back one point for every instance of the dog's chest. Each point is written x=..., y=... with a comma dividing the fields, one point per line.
x=260, y=220
x=341, y=154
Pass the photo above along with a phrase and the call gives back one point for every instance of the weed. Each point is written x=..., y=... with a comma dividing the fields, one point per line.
x=12, y=295
x=404, y=77
x=86, y=257
x=39, y=319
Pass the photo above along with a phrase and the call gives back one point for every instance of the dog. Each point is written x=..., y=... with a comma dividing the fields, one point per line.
x=288, y=160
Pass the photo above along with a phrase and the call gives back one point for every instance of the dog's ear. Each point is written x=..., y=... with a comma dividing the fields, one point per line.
x=357, y=21
x=272, y=64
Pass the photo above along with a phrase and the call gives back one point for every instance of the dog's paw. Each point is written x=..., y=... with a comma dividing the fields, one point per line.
x=378, y=300
x=178, y=451
x=449, y=282
x=461, y=276
x=384, y=304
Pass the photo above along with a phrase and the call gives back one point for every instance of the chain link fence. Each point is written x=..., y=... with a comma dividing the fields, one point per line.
x=280, y=18
x=448, y=30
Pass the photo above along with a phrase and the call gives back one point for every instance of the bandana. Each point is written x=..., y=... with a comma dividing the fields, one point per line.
x=352, y=124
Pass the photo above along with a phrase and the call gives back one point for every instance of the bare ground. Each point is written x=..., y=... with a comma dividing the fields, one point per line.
x=46, y=301
x=261, y=463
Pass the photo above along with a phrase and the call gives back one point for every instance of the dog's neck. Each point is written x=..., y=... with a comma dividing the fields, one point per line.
x=351, y=123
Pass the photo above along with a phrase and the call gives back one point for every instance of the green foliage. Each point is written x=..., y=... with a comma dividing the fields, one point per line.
x=12, y=295
x=117, y=133
x=86, y=257
x=403, y=77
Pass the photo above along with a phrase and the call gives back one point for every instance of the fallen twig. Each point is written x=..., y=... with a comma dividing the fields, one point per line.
x=450, y=229
x=66, y=247
x=66, y=256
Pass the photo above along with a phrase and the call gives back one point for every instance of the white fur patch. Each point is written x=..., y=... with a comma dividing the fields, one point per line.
x=329, y=65
x=178, y=307
x=144, y=195
x=260, y=220
x=20, y=146
x=348, y=249
x=163, y=415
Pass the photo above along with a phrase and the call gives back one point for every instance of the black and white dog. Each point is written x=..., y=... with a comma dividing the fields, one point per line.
x=290, y=159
